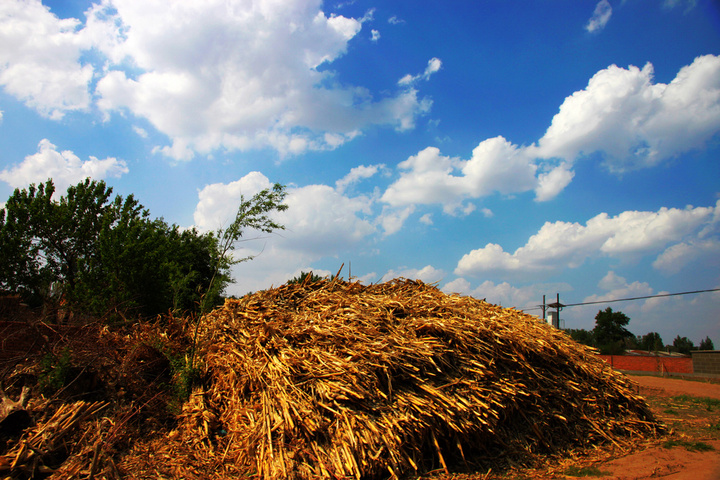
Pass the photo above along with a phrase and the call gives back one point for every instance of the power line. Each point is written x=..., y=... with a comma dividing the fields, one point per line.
x=631, y=298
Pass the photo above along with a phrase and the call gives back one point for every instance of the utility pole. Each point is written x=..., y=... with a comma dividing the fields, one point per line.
x=554, y=316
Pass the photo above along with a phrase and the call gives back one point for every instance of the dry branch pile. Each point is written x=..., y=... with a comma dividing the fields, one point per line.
x=339, y=380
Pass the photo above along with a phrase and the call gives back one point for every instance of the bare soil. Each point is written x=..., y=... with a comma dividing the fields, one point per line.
x=690, y=451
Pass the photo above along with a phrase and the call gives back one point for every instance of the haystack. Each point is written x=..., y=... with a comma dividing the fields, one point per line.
x=334, y=379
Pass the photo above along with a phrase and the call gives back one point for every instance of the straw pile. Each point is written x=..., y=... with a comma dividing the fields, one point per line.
x=339, y=380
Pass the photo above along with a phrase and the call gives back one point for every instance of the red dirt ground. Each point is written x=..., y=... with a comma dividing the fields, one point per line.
x=675, y=463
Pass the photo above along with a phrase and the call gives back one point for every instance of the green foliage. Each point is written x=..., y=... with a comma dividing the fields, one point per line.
x=708, y=403
x=309, y=276
x=683, y=344
x=591, y=471
x=689, y=446
x=651, y=342
x=582, y=336
x=610, y=332
x=706, y=344
x=103, y=257
x=54, y=371
x=253, y=214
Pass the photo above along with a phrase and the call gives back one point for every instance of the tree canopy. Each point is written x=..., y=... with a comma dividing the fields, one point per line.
x=100, y=256
x=706, y=344
x=683, y=344
x=652, y=342
x=610, y=332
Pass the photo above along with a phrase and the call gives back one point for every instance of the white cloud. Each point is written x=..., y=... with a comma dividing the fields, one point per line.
x=550, y=184
x=374, y=35
x=393, y=219
x=689, y=4
x=65, y=168
x=141, y=132
x=39, y=59
x=690, y=254
x=208, y=83
x=434, y=65
x=427, y=274
x=505, y=294
x=431, y=178
x=426, y=219
x=320, y=221
x=198, y=72
x=568, y=245
x=600, y=17
x=634, y=122
x=357, y=174
x=218, y=202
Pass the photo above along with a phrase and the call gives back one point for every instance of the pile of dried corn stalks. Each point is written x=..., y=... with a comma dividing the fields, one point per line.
x=339, y=380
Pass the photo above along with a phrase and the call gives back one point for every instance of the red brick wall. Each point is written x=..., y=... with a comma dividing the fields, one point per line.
x=649, y=363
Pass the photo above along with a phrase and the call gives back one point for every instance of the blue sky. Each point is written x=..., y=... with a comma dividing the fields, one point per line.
x=505, y=150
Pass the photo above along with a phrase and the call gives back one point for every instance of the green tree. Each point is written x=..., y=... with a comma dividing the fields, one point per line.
x=706, y=344
x=252, y=214
x=610, y=332
x=47, y=241
x=102, y=256
x=683, y=345
x=652, y=342
x=582, y=336
x=305, y=276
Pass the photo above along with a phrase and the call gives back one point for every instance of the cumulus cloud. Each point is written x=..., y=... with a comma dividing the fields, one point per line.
x=504, y=293
x=600, y=17
x=427, y=274
x=207, y=83
x=496, y=166
x=320, y=221
x=689, y=254
x=357, y=174
x=634, y=122
x=65, y=168
x=392, y=219
x=198, y=73
x=42, y=70
x=568, y=245
x=657, y=314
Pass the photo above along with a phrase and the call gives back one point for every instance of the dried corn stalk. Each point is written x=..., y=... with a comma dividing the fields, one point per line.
x=339, y=380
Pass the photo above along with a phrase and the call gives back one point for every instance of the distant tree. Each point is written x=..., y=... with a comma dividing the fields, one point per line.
x=610, y=332
x=309, y=276
x=582, y=336
x=683, y=345
x=707, y=344
x=652, y=342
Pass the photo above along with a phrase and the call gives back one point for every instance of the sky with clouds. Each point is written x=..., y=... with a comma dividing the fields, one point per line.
x=505, y=150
